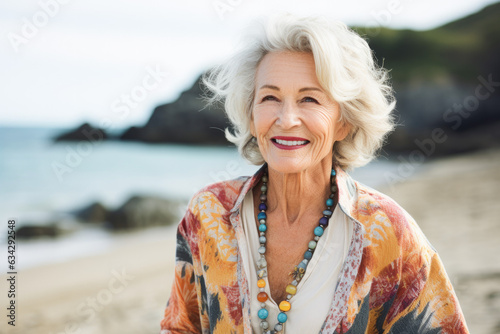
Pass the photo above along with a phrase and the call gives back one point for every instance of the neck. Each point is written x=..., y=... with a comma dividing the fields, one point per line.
x=291, y=196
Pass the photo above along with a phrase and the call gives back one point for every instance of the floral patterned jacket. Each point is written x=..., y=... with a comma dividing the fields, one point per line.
x=392, y=280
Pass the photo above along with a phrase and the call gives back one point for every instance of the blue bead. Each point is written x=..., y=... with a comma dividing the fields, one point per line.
x=308, y=255
x=333, y=172
x=263, y=206
x=302, y=265
x=263, y=313
x=323, y=221
x=329, y=202
x=327, y=213
x=261, y=215
x=282, y=317
x=318, y=231
x=262, y=227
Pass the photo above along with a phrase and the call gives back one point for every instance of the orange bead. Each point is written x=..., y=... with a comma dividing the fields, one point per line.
x=285, y=306
x=261, y=283
x=262, y=297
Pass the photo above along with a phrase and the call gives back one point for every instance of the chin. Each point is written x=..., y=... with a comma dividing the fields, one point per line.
x=288, y=165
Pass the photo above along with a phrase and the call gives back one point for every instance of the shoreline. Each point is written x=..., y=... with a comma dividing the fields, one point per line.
x=125, y=289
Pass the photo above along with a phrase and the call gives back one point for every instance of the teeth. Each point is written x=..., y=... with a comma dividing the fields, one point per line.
x=291, y=142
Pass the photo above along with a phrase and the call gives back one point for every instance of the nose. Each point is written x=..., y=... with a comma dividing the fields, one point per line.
x=288, y=116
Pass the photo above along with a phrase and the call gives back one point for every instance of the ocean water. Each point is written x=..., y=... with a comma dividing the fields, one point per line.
x=41, y=179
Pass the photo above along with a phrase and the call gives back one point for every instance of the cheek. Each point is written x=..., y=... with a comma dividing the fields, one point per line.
x=323, y=124
x=262, y=120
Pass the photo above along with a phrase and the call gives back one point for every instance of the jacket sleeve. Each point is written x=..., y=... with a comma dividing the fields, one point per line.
x=182, y=313
x=427, y=303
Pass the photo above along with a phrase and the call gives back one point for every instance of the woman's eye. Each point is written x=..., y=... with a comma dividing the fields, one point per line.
x=269, y=98
x=309, y=99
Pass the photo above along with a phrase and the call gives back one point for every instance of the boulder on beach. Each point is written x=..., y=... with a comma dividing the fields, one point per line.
x=38, y=231
x=144, y=211
x=84, y=132
x=93, y=213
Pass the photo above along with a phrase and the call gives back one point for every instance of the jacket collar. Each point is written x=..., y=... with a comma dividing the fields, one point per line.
x=346, y=187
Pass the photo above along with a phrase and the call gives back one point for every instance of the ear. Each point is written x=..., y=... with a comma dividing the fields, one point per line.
x=252, y=126
x=342, y=131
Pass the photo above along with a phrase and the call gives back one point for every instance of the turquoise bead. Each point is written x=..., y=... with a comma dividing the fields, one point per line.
x=333, y=172
x=312, y=244
x=317, y=231
x=329, y=202
x=327, y=213
x=263, y=313
x=282, y=317
x=261, y=215
x=262, y=227
x=308, y=255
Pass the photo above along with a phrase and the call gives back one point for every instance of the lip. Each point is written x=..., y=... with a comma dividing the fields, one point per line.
x=286, y=147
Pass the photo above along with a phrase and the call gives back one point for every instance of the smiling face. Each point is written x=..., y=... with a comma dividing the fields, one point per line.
x=294, y=119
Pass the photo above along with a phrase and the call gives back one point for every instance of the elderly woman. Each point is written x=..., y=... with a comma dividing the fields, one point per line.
x=300, y=247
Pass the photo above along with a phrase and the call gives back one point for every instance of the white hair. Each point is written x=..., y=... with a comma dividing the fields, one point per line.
x=345, y=68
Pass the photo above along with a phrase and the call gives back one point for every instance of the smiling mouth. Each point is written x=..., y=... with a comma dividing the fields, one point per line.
x=289, y=142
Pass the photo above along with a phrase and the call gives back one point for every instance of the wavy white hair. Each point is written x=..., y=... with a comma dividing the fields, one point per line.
x=344, y=67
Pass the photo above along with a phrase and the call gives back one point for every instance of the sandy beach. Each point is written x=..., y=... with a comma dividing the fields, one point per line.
x=125, y=290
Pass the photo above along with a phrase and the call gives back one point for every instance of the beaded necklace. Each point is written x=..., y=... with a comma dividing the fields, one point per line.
x=299, y=270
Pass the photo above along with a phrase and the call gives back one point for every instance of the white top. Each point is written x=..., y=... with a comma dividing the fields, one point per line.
x=315, y=291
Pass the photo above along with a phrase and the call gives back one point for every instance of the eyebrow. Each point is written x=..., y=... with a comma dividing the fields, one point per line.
x=300, y=90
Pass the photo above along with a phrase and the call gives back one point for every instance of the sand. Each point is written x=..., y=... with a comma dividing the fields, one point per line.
x=125, y=290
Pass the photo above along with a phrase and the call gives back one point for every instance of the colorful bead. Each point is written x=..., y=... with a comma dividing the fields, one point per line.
x=329, y=202
x=326, y=213
x=333, y=172
x=263, y=188
x=263, y=313
x=263, y=206
x=262, y=297
x=261, y=215
x=302, y=265
x=308, y=255
x=278, y=327
x=264, y=325
x=262, y=227
x=282, y=317
x=318, y=231
x=285, y=306
x=263, y=197
x=262, y=221
x=312, y=244
x=264, y=178
x=291, y=289
x=262, y=249
x=262, y=240
x=323, y=221
x=261, y=283
x=333, y=188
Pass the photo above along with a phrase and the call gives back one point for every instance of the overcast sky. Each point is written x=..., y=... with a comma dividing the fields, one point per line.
x=110, y=62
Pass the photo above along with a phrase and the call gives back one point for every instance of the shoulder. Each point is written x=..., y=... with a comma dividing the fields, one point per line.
x=224, y=193
x=385, y=220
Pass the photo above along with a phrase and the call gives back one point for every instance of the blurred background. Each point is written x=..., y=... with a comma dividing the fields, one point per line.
x=103, y=140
